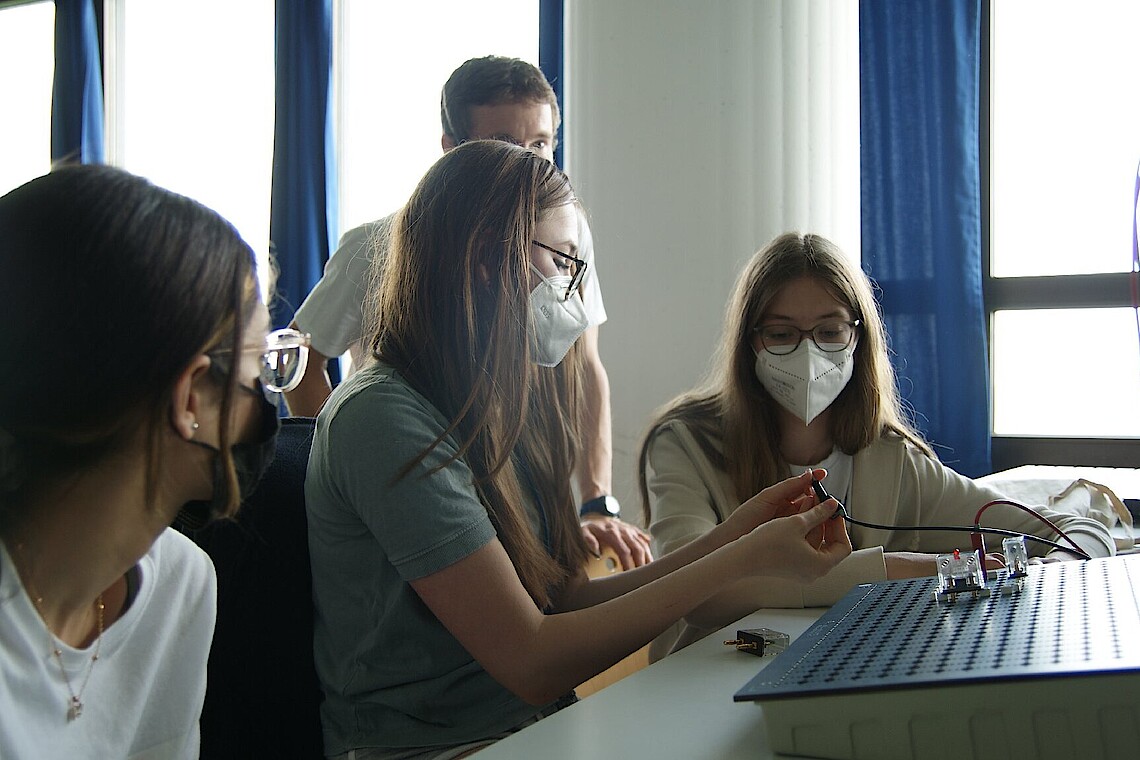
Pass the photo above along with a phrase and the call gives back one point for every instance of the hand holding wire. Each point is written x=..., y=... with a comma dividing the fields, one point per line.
x=822, y=495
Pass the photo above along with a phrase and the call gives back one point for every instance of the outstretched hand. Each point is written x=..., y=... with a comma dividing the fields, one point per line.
x=792, y=536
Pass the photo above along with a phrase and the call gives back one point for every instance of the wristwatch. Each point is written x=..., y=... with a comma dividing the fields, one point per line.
x=602, y=505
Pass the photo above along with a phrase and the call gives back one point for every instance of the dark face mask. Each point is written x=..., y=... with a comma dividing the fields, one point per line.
x=251, y=459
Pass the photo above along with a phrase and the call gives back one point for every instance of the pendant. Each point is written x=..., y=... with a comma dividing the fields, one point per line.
x=74, y=709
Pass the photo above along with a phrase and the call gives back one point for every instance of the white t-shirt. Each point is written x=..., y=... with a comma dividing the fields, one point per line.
x=145, y=692
x=333, y=312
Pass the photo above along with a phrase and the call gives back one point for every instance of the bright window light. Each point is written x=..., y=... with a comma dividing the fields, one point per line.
x=193, y=106
x=1066, y=372
x=392, y=63
x=1066, y=136
x=27, y=34
x=1064, y=150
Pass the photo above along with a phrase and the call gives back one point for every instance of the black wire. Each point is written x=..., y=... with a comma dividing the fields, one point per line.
x=965, y=529
x=822, y=495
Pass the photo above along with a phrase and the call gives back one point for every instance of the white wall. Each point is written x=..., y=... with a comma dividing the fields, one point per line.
x=696, y=131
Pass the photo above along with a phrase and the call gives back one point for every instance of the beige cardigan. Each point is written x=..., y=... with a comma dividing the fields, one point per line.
x=893, y=483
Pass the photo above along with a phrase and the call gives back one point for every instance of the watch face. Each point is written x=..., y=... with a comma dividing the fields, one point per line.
x=602, y=505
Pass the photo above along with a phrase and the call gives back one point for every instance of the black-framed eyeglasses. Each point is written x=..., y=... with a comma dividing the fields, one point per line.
x=576, y=266
x=830, y=337
x=284, y=356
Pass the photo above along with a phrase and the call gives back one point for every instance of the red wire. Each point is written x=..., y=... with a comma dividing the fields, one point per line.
x=1035, y=513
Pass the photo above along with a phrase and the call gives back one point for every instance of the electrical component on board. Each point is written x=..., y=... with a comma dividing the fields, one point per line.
x=960, y=573
x=1016, y=556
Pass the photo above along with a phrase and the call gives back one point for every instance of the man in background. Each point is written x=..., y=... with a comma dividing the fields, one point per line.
x=492, y=98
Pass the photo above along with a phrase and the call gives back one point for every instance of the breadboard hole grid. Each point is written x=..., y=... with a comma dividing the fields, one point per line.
x=1071, y=617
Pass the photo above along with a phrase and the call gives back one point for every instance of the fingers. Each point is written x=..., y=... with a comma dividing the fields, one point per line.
x=787, y=491
x=832, y=534
x=811, y=476
x=793, y=496
x=820, y=513
x=591, y=542
x=636, y=543
x=624, y=555
x=802, y=504
x=629, y=543
x=788, y=497
x=802, y=547
x=641, y=551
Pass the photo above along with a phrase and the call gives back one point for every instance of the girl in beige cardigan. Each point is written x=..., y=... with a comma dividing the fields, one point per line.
x=803, y=380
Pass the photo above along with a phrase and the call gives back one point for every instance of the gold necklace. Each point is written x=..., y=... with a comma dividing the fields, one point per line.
x=75, y=699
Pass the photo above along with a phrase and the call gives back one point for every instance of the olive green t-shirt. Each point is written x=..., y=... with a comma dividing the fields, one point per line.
x=392, y=675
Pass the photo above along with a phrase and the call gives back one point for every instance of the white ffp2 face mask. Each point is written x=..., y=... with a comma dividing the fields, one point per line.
x=556, y=323
x=806, y=381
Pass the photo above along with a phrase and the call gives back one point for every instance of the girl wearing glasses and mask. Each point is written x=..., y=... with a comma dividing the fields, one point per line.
x=802, y=380
x=451, y=602
x=136, y=345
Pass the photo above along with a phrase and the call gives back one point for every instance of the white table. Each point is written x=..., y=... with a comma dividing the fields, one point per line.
x=680, y=707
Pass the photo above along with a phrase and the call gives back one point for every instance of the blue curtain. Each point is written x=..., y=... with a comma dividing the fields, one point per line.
x=550, y=56
x=77, y=91
x=303, y=212
x=921, y=212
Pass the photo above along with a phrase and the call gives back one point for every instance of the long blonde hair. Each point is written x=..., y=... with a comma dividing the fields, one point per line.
x=732, y=416
x=452, y=316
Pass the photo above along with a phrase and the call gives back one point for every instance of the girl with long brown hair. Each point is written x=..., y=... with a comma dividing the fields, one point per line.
x=802, y=379
x=452, y=603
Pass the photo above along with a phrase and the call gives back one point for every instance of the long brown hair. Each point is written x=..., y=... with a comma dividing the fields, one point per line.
x=734, y=418
x=452, y=316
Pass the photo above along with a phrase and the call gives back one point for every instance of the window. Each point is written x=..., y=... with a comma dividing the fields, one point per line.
x=190, y=103
x=189, y=95
x=392, y=61
x=1064, y=142
x=27, y=34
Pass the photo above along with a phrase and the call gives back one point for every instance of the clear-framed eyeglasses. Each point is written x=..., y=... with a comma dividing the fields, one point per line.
x=830, y=337
x=284, y=356
x=284, y=360
x=576, y=266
